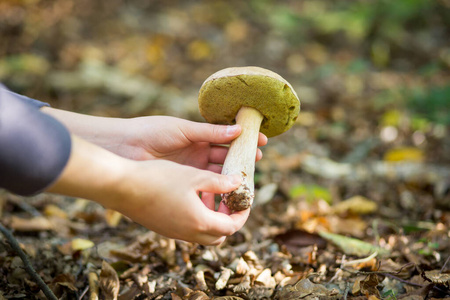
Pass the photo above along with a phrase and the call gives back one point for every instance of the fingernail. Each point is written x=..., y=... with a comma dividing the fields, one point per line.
x=232, y=129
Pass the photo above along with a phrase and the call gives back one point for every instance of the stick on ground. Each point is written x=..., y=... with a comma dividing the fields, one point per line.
x=28, y=267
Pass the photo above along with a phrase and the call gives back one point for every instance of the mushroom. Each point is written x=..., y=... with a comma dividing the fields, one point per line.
x=258, y=100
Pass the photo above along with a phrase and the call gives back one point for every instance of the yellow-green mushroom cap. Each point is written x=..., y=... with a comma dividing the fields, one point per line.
x=226, y=91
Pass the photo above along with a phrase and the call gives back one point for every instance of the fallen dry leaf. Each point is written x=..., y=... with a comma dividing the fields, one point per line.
x=352, y=246
x=109, y=281
x=222, y=281
x=404, y=154
x=438, y=277
x=54, y=211
x=63, y=281
x=33, y=224
x=354, y=226
x=112, y=217
x=295, y=239
x=305, y=289
x=265, y=279
x=81, y=244
x=369, y=285
x=356, y=205
x=135, y=251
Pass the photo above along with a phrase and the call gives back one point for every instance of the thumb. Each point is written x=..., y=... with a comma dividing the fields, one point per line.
x=216, y=134
x=217, y=183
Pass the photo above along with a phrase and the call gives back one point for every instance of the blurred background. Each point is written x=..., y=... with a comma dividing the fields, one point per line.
x=372, y=76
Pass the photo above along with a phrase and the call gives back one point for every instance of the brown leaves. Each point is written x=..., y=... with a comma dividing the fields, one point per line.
x=352, y=246
x=438, y=277
x=222, y=281
x=137, y=250
x=294, y=239
x=356, y=205
x=112, y=217
x=305, y=289
x=33, y=224
x=367, y=286
x=62, y=282
x=109, y=281
x=189, y=294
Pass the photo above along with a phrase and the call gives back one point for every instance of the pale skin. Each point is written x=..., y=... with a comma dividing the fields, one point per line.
x=162, y=172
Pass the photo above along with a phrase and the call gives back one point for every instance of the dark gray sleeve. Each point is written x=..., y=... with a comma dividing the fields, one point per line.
x=34, y=147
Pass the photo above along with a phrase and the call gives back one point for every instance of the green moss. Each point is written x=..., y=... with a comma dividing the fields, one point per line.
x=220, y=100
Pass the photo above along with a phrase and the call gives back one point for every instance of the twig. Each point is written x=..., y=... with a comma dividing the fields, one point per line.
x=403, y=280
x=28, y=267
x=359, y=261
x=446, y=262
x=93, y=285
x=379, y=272
x=200, y=280
x=84, y=292
x=347, y=289
x=24, y=205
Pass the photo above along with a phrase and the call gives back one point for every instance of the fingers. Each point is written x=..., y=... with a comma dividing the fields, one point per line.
x=214, y=241
x=217, y=183
x=208, y=200
x=262, y=139
x=208, y=240
x=216, y=134
x=218, y=154
x=221, y=224
x=259, y=154
x=214, y=226
x=224, y=209
x=210, y=227
x=214, y=168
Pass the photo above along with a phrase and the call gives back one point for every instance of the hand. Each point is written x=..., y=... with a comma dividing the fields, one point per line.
x=170, y=203
x=200, y=145
x=160, y=195
x=190, y=143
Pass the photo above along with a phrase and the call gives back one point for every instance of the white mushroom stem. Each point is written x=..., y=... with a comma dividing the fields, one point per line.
x=241, y=158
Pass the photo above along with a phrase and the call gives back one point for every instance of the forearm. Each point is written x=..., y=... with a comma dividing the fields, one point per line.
x=91, y=173
x=108, y=133
x=86, y=126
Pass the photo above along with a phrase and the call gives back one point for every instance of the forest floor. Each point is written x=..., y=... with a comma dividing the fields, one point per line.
x=315, y=232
